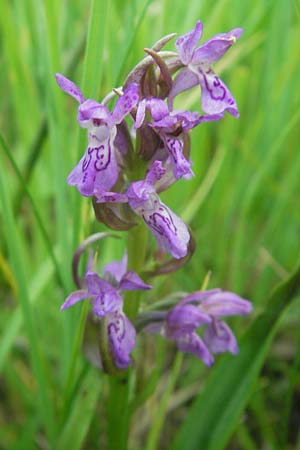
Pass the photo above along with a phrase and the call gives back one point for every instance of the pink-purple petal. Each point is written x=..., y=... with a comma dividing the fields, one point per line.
x=192, y=343
x=213, y=49
x=186, y=43
x=181, y=166
x=186, y=79
x=131, y=282
x=219, y=338
x=73, y=298
x=158, y=109
x=117, y=268
x=69, y=87
x=225, y=304
x=126, y=103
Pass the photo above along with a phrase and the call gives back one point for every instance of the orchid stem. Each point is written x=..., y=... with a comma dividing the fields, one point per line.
x=119, y=386
x=136, y=247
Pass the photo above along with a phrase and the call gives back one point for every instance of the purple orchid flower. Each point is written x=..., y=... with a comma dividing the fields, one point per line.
x=202, y=309
x=215, y=96
x=98, y=168
x=170, y=232
x=107, y=301
x=171, y=126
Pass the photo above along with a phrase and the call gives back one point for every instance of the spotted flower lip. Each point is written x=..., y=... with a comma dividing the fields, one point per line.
x=170, y=231
x=202, y=309
x=171, y=127
x=98, y=168
x=121, y=337
x=215, y=96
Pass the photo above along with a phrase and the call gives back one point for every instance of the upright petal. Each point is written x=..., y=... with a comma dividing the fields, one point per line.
x=170, y=232
x=186, y=43
x=158, y=108
x=97, y=170
x=215, y=96
x=181, y=167
x=219, y=338
x=132, y=282
x=126, y=103
x=69, y=87
x=212, y=50
x=192, y=343
x=121, y=335
x=186, y=79
x=117, y=268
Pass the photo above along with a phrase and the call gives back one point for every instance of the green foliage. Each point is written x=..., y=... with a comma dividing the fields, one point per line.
x=242, y=206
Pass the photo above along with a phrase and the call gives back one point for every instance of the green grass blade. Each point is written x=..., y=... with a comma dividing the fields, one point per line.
x=12, y=236
x=36, y=213
x=91, y=79
x=12, y=328
x=72, y=435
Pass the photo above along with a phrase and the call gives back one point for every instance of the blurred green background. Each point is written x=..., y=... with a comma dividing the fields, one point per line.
x=242, y=206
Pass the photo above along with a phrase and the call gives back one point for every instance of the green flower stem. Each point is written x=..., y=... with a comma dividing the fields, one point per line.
x=118, y=412
x=136, y=247
x=119, y=386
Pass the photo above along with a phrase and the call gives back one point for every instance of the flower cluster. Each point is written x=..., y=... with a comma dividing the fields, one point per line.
x=202, y=308
x=107, y=301
x=143, y=130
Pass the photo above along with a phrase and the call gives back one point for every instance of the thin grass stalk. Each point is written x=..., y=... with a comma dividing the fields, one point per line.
x=44, y=405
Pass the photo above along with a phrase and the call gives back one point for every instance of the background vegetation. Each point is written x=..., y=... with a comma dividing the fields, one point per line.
x=243, y=206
